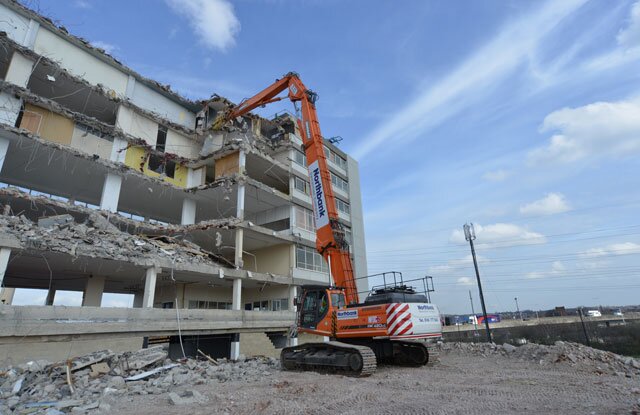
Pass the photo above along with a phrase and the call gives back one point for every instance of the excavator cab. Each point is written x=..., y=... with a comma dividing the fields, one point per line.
x=315, y=304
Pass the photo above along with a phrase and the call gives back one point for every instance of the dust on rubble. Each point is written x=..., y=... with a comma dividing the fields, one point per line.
x=565, y=378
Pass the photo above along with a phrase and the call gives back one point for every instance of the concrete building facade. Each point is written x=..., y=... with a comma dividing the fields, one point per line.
x=113, y=183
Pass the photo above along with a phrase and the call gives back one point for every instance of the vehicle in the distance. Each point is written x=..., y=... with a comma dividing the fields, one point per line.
x=594, y=313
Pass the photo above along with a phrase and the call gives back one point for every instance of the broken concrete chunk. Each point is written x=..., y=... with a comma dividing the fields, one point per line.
x=90, y=359
x=52, y=221
x=186, y=397
x=99, y=369
x=145, y=357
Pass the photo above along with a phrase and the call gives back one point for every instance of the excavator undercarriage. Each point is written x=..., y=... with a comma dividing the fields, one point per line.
x=353, y=359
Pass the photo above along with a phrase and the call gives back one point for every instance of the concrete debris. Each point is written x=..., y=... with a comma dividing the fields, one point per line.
x=574, y=354
x=51, y=221
x=143, y=372
x=99, y=239
x=186, y=398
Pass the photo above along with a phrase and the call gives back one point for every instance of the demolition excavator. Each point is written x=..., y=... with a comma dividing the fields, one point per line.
x=391, y=324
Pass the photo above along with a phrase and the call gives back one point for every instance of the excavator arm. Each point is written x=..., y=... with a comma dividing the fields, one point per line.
x=330, y=234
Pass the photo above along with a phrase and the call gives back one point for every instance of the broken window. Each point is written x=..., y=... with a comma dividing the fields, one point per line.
x=301, y=185
x=160, y=165
x=309, y=258
x=161, y=139
x=304, y=219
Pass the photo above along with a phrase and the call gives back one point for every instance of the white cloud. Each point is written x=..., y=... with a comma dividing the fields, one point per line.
x=551, y=204
x=213, y=21
x=82, y=4
x=557, y=269
x=630, y=35
x=601, y=129
x=496, y=176
x=624, y=248
x=501, y=234
x=108, y=47
x=495, y=60
x=465, y=281
x=456, y=264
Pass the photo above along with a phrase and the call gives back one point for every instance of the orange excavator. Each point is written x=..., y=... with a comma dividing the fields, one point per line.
x=391, y=324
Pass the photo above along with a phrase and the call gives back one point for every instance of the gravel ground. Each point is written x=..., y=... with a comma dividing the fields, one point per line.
x=463, y=381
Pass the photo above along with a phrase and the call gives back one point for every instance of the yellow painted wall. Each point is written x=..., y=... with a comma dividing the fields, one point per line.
x=227, y=165
x=136, y=156
x=274, y=259
x=52, y=126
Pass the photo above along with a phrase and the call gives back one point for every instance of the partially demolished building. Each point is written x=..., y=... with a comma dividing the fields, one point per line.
x=113, y=183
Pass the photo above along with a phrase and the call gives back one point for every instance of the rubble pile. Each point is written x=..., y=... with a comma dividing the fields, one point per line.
x=98, y=238
x=575, y=354
x=89, y=383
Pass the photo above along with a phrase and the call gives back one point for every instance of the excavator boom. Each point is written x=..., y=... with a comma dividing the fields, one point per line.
x=330, y=235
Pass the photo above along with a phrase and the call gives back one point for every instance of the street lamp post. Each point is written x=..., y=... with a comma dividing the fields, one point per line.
x=470, y=235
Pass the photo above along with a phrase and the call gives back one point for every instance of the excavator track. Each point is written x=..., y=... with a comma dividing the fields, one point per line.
x=330, y=357
x=410, y=353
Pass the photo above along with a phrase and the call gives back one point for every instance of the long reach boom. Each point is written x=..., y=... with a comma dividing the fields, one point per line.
x=330, y=234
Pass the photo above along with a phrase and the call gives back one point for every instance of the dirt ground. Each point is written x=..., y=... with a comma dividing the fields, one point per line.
x=457, y=383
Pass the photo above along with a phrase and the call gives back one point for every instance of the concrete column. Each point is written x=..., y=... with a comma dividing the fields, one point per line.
x=4, y=261
x=30, y=37
x=236, y=304
x=137, y=299
x=188, y=212
x=293, y=339
x=51, y=295
x=234, y=353
x=6, y=295
x=9, y=108
x=118, y=150
x=150, y=286
x=111, y=192
x=180, y=295
x=4, y=148
x=93, y=292
x=236, y=300
x=19, y=70
x=239, y=263
x=195, y=177
x=240, y=203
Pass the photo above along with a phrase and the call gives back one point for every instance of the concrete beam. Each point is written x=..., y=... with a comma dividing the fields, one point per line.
x=111, y=192
x=92, y=293
x=62, y=323
x=150, y=286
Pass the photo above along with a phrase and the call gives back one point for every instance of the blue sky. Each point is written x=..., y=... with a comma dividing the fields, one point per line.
x=522, y=117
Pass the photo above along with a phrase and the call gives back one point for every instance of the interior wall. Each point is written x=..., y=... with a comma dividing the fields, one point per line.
x=227, y=165
x=274, y=259
x=80, y=62
x=13, y=24
x=137, y=125
x=48, y=125
x=91, y=144
x=181, y=145
x=147, y=98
